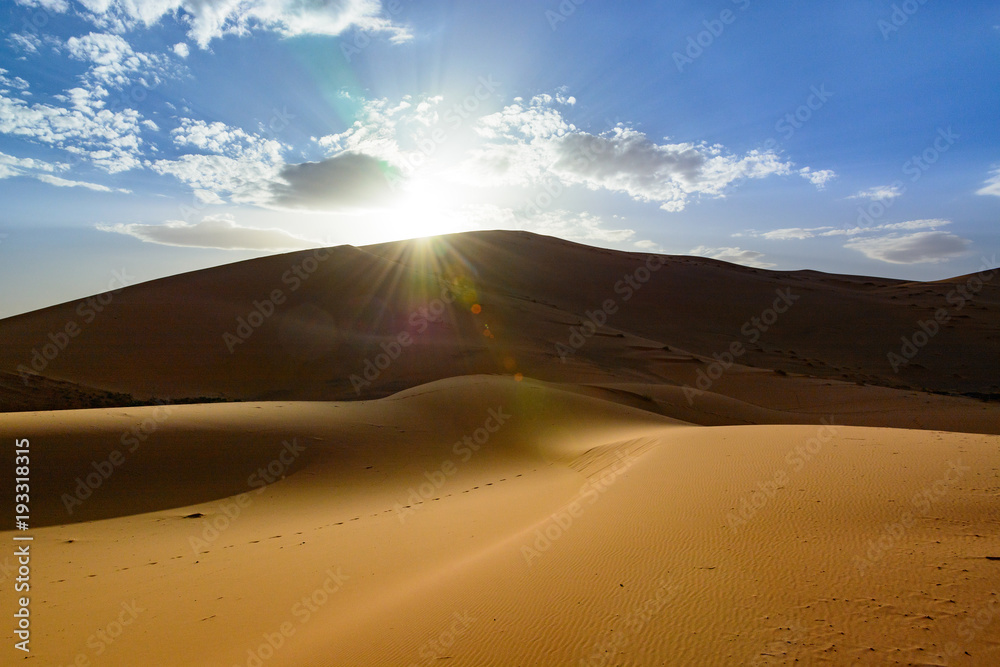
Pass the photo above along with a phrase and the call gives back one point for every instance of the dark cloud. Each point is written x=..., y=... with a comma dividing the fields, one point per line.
x=928, y=247
x=349, y=180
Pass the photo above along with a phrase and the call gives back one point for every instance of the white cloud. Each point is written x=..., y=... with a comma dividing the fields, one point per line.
x=57, y=6
x=992, y=184
x=243, y=181
x=245, y=168
x=113, y=62
x=14, y=166
x=563, y=98
x=181, y=49
x=65, y=183
x=83, y=125
x=40, y=170
x=212, y=232
x=734, y=255
x=233, y=163
x=208, y=197
x=922, y=247
x=25, y=42
x=211, y=19
x=527, y=141
x=388, y=131
x=799, y=233
x=791, y=233
x=11, y=82
x=909, y=225
x=818, y=178
x=879, y=193
x=109, y=139
x=85, y=100
x=223, y=139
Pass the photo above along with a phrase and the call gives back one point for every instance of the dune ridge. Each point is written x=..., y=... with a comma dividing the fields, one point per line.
x=538, y=299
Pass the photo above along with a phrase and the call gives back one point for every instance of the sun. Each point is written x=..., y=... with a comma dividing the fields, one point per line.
x=427, y=206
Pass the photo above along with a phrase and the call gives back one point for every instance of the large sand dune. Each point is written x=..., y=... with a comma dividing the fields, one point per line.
x=300, y=326
x=507, y=486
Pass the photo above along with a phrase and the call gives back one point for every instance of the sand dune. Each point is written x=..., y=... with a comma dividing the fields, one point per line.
x=327, y=324
x=581, y=531
x=419, y=454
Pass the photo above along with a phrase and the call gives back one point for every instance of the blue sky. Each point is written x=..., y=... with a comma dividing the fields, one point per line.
x=160, y=136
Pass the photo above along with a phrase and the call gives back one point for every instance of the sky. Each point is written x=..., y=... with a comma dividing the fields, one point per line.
x=145, y=138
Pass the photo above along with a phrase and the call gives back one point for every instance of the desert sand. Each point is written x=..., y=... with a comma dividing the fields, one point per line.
x=491, y=498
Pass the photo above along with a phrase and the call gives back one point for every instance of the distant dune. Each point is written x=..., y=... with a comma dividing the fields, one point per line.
x=506, y=449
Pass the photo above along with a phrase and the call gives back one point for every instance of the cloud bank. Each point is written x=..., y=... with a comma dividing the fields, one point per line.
x=922, y=247
x=219, y=232
x=885, y=242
